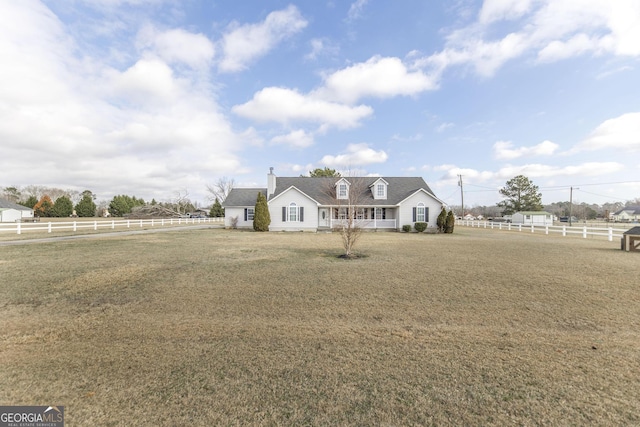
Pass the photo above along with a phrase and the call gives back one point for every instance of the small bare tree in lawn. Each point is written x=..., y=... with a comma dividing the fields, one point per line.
x=346, y=196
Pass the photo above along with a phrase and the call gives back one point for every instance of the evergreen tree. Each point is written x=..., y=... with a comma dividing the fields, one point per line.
x=441, y=222
x=44, y=207
x=86, y=207
x=261, y=217
x=451, y=221
x=121, y=205
x=62, y=208
x=217, y=210
x=30, y=202
x=521, y=195
x=324, y=173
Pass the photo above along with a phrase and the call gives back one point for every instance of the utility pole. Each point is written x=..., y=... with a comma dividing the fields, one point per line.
x=461, y=195
x=571, y=204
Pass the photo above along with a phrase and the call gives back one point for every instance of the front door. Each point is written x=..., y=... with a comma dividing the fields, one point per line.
x=323, y=218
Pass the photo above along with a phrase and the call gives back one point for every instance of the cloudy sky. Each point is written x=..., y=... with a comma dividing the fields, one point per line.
x=154, y=97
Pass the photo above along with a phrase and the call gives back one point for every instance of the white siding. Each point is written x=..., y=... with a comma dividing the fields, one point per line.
x=541, y=219
x=10, y=215
x=310, y=222
x=239, y=212
x=405, y=212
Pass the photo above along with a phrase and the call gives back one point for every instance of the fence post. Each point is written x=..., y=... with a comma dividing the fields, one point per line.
x=610, y=234
x=162, y=222
x=49, y=228
x=584, y=232
x=152, y=222
x=519, y=227
x=532, y=228
x=113, y=224
x=18, y=228
x=95, y=225
x=499, y=226
x=128, y=223
x=75, y=226
x=564, y=231
x=546, y=229
x=140, y=223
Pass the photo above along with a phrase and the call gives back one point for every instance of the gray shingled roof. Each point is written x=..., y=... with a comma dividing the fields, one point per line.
x=5, y=204
x=635, y=231
x=399, y=188
x=316, y=188
x=242, y=197
x=635, y=210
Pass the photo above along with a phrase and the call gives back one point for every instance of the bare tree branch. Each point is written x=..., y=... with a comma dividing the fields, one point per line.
x=221, y=188
x=348, y=214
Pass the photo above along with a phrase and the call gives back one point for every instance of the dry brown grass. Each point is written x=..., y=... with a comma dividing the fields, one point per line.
x=218, y=327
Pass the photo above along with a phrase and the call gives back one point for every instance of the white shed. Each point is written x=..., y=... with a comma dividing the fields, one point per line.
x=11, y=212
x=532, y=218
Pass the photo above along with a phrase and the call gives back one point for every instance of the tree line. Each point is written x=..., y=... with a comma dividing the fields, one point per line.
x=51, y=202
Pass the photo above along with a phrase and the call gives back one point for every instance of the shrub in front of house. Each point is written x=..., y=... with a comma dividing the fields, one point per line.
x=261, y=218
x=451, y=221
x=406, y=228
x=442, y=220
x=420, y=226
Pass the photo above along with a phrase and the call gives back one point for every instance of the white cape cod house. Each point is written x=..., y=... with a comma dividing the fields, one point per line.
x=312, y=204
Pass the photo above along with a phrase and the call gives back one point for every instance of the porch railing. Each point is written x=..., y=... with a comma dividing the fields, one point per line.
x=366, y=223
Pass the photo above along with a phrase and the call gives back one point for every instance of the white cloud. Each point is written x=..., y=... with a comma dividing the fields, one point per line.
x=285, y=105
x=444, y=126
x=379, y=77
x=355, y=10
x=539, y=170
x=622, y=132
x=243, y=44
x=86, y=125
x=534, y=170
x=498, y=10
x=178, y=46
x=549, y=30
x=504, y=150
x=355, y=155
x=322, y=47
x=297, y=139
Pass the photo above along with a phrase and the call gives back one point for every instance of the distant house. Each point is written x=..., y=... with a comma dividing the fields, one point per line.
x=532, y=218
x=306, y=204
x=12, y=212
x=628, y=214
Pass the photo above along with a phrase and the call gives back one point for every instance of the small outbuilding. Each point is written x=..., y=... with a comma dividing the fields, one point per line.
x=12, y=212
x=631, y=240
x=532, y=218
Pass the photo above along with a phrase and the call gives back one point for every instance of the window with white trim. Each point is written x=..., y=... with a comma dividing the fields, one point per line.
x=249, y=214
x=420, y=213
x=293, y=212
x=380, y=191
x=379, y=213
x=343, y=191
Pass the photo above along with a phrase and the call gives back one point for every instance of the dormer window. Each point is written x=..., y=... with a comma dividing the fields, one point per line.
x=342, y=189
x=379, y=189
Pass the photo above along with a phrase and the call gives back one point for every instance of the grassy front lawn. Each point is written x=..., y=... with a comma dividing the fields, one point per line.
x=219, y=327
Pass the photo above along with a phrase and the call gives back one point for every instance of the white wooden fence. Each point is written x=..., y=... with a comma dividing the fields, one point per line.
x=21, y=227
x=564, y=230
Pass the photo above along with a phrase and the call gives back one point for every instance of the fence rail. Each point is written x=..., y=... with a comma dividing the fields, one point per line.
x=49, y=227
x=564, y=230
